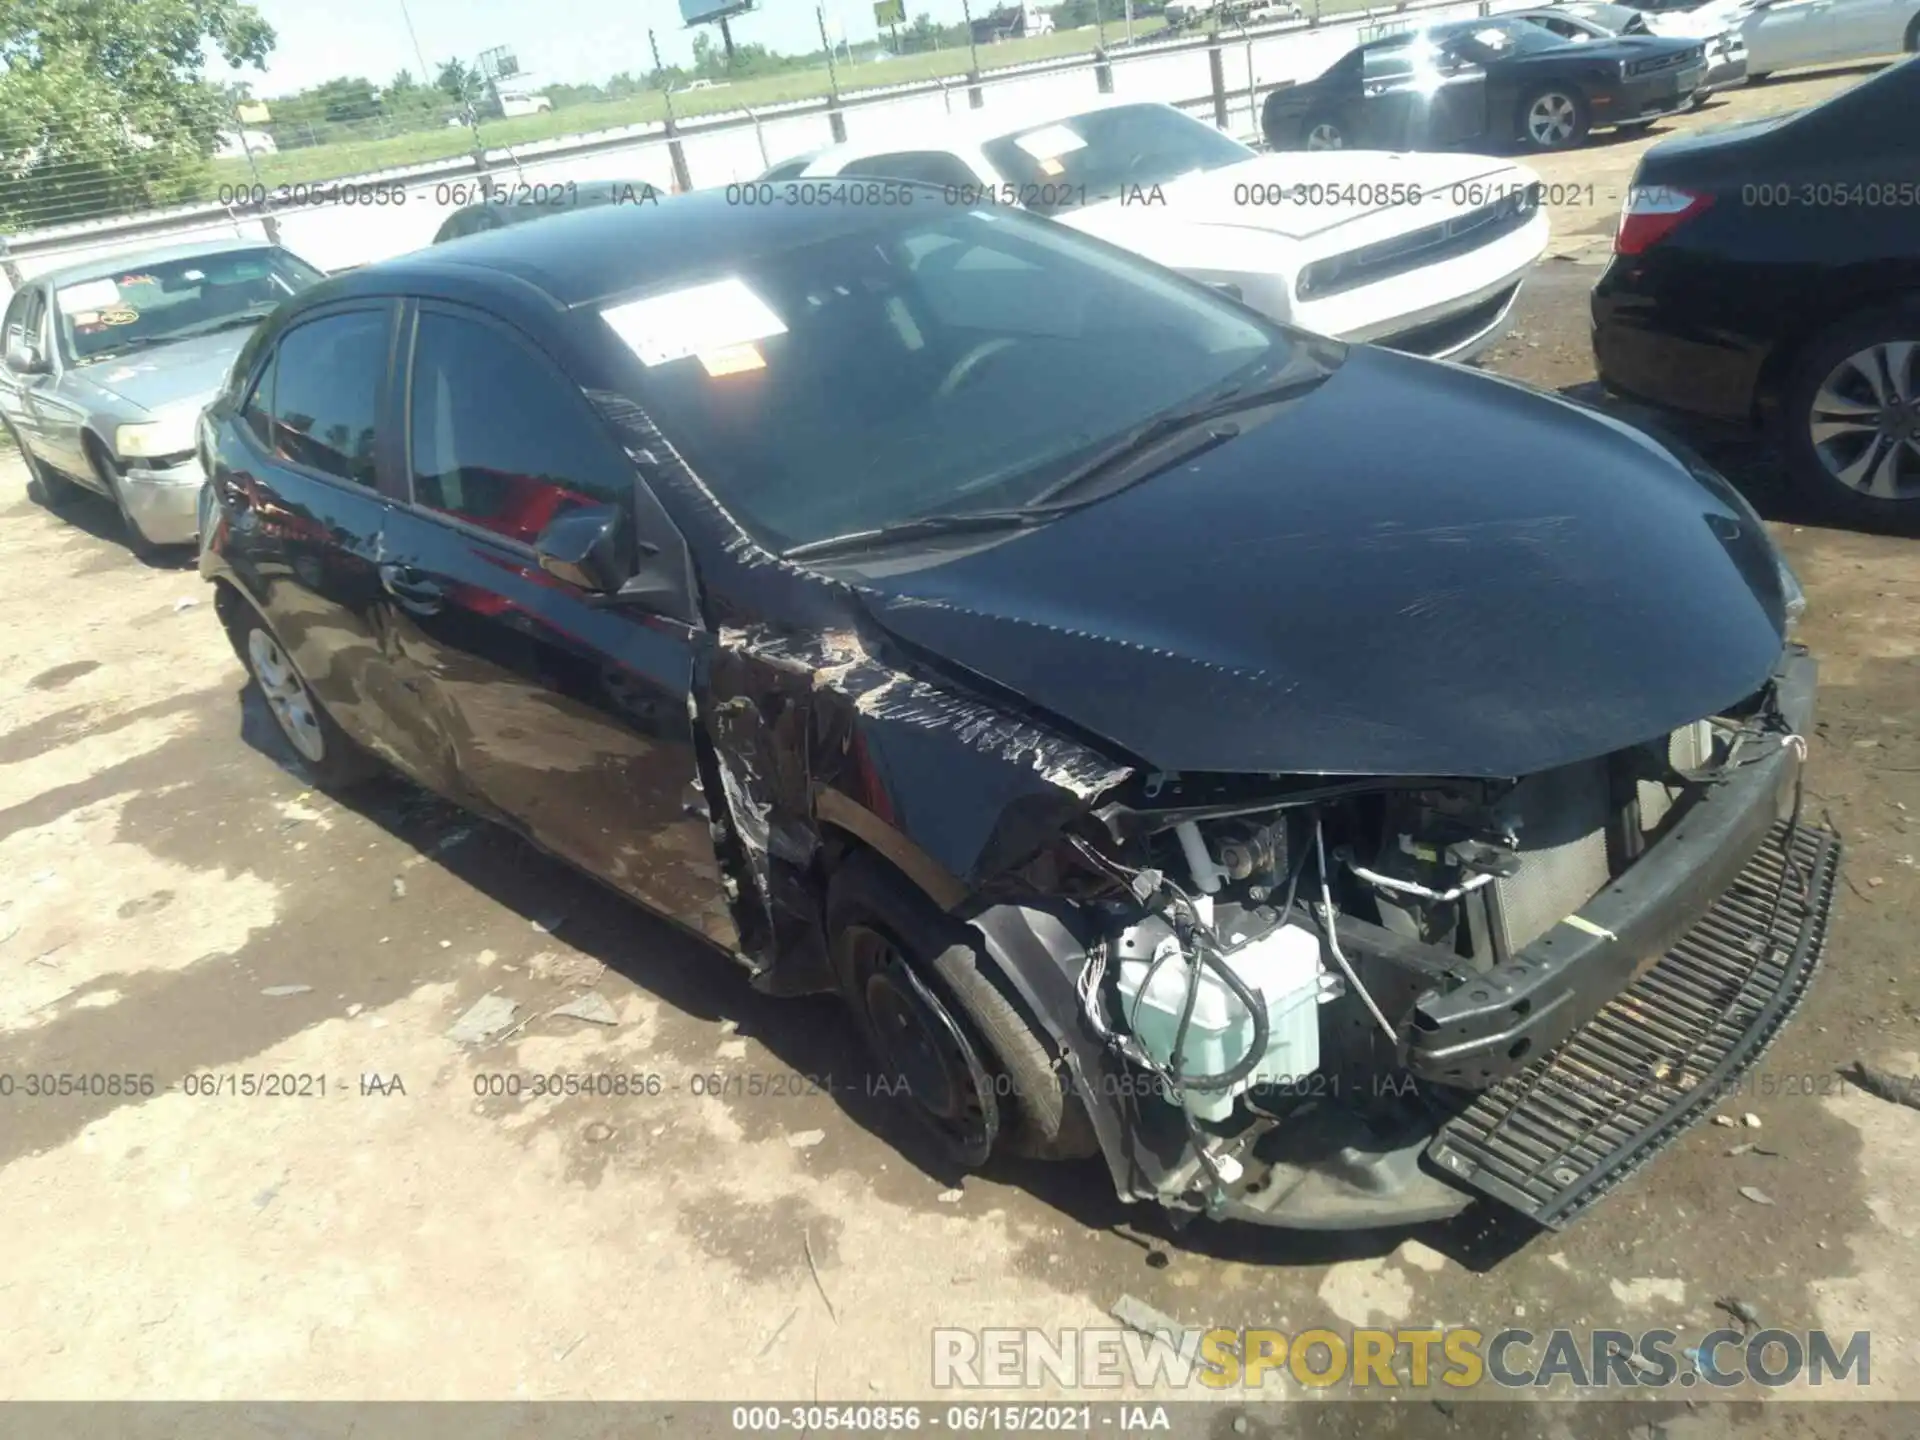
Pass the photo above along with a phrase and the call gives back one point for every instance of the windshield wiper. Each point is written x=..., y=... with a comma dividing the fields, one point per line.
x=1050, y=503
x=253, y=315
x=1157, y=431
x=125, y=347
x=919, y=528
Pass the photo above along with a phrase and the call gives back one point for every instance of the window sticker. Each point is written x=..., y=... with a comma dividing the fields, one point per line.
x=699, y=320
x=86, y=317
x=119, y=315
x=87, y=295
x=126, y=280
x=1050, y=142
x=733, y=360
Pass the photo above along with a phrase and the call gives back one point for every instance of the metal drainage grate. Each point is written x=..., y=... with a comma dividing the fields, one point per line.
x=1554, y=1138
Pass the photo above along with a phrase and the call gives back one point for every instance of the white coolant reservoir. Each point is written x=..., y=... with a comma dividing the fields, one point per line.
x=1283, y=966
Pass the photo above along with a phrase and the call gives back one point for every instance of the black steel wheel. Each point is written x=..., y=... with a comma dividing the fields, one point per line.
x=945, y=1026
x=922, y=1051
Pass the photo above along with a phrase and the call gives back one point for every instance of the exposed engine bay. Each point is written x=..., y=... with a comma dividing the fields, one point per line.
x=1270, y=965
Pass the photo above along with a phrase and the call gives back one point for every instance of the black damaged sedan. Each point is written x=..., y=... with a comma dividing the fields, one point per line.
x=1324, y=823
x=1489, y=82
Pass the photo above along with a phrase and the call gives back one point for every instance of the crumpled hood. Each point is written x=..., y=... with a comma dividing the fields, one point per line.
x=1413, y=569
x=185, y=374
x=1343, y=187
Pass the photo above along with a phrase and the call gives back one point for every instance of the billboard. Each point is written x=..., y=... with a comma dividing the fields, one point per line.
x=701, y=12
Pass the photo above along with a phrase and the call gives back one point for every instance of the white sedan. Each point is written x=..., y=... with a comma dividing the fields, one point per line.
x=1783, y=34
x=1421, y=253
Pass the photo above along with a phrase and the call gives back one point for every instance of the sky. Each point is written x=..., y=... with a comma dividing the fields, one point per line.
x=560, y=41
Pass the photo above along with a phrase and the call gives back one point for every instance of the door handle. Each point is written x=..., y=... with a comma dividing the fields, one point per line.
x=413, y=590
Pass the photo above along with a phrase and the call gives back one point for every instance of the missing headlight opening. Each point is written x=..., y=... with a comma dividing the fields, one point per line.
x=1306, y=995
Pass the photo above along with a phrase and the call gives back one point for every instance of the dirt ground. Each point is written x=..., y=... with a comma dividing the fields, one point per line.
x=176, y=901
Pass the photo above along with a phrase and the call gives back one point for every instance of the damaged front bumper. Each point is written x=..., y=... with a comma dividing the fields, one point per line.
x=1540, y=1082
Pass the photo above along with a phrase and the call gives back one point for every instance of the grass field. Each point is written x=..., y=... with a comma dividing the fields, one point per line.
x=419, y=147
x=357, y=157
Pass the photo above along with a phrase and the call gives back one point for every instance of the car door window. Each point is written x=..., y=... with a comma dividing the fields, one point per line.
x=1385, y=64
x=935, y=167
x=498, y=437
x=258, y=411
x=327, y=378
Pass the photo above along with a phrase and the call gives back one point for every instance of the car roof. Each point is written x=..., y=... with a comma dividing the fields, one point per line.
x=596, y=252
x=122, y=261
x=970, y=130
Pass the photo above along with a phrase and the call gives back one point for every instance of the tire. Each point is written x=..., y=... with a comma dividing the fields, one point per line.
x=1030, y=1108
x=143, y=549
x=1322, y=132
x=324, y=750
x=1851, y=419
x=44, y=487
x=1556, y=112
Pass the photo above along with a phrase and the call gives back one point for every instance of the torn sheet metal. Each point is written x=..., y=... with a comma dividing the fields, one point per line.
x=969, y=787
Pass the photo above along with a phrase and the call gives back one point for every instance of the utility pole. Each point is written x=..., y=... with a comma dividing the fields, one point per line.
x=425, y=74
x=972, y=48
x=833, y=80
x=676, y=153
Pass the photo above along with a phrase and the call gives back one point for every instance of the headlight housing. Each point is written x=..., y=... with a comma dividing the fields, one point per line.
x=1795, y=595
x=169, y=436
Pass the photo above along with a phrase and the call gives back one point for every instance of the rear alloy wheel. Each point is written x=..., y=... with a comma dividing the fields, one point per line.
x=1323, y=132
x=1854, y=405
x=1553, y=118
x=333, y=760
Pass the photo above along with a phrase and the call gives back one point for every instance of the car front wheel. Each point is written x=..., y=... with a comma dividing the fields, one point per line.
x=949, y=1039
x=1553, y=118
x=1853, y=416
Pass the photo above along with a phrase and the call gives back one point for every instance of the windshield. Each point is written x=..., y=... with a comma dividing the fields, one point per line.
x=157, y=301
x=939, y=361
x=1092, y=157
x=1492, y=42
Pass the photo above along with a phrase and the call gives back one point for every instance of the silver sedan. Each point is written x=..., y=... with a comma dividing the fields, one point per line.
x=108, y=365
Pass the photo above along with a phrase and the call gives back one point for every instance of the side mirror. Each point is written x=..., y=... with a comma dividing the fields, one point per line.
x=25, y=359
x=586, y=548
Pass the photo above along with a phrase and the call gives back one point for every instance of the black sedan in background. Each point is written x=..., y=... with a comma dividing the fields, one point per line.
x=1491, y=82
x=1767, y=276
x=500, y=203
x=838, y=582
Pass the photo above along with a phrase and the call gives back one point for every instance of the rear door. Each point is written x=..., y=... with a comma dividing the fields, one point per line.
x=302, y=479
x=567, y=718
x=1869, y=27
x=1787, y=33
x=22, y=327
